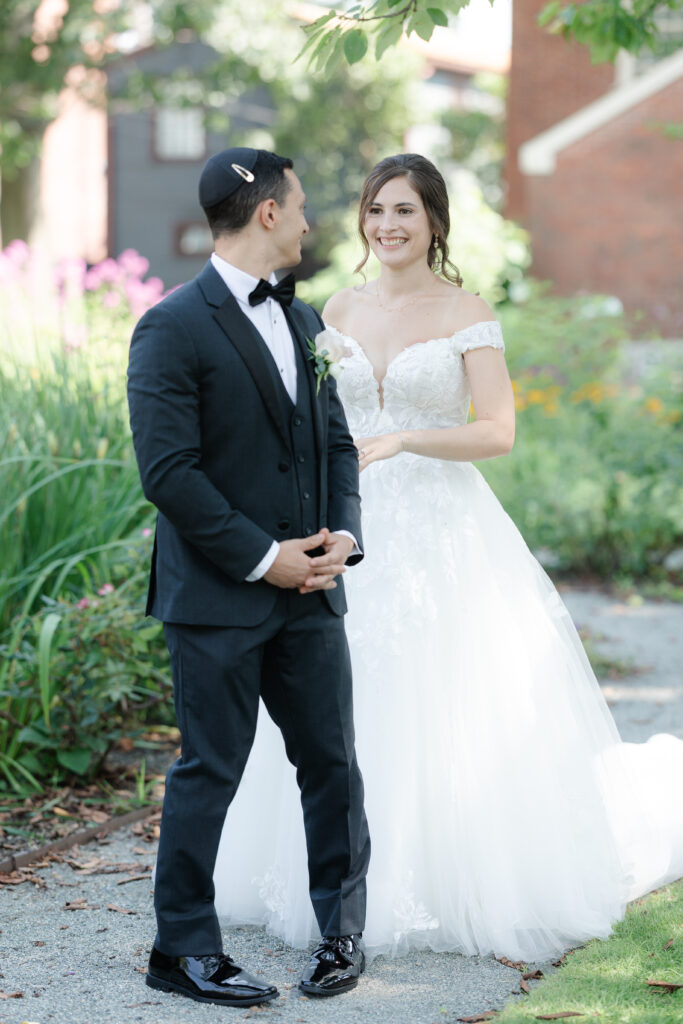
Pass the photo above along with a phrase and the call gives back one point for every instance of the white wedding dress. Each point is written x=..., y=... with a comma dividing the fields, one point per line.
x=506, y=816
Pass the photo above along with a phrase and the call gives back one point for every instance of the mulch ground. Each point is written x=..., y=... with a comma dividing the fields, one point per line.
x=64, y=813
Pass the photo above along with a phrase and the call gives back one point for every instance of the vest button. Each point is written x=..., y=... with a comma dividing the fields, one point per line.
x=298, y=420
x=283, y=524
x=300, y=458
x=306, y=495
x=283, y=466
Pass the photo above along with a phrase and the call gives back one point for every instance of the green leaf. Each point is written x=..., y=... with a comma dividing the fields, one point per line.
x=549, y=13
x=31, y=763
x=355, y=45
x=319, y=22
x=438, y=16
x=389, y=36
x=47, y=632
x=76, y=760
x=33, y=734
x=422, y=24
x=148, y=633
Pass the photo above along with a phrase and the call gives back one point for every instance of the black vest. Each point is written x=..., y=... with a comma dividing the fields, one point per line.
x=304, y=472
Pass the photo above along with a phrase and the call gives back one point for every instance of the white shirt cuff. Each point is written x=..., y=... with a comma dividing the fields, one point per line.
x=264, y=565
x=345, y=533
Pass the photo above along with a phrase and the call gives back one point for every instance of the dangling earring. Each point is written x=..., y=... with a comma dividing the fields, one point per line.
x=435, y=240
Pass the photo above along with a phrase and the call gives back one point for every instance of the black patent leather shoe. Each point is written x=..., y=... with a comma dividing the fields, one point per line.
x=208, y=979
x=335, y=966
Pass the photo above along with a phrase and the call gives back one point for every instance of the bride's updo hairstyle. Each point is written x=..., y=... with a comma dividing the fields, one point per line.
x=431, y=188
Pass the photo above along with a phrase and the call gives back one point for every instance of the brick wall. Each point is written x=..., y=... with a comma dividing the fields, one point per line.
x=549, y=79
x=609, y=218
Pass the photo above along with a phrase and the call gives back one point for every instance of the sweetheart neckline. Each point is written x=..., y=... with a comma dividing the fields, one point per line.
x=407, y=348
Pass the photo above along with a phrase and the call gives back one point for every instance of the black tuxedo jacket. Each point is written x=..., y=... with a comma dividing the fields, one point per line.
x=210, y=432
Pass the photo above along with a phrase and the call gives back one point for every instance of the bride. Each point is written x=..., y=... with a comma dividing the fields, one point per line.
x=506, y=815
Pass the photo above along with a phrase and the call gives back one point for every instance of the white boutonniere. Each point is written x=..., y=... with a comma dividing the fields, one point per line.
x=326, y=350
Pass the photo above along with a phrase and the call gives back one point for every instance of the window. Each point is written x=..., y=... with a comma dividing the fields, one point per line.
x=179, y=133
x=193, y=239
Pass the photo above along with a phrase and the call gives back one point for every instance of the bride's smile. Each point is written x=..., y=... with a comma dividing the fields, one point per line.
x=397, y=225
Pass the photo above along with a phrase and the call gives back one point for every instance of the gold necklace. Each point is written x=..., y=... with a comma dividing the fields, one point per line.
x=399, y=309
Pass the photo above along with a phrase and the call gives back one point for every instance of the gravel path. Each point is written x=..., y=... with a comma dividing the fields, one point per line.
x=86, y=965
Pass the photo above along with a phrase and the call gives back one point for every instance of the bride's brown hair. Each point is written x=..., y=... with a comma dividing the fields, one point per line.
x=431, y=188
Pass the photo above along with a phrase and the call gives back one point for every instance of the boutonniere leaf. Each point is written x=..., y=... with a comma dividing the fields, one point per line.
x=325, y=352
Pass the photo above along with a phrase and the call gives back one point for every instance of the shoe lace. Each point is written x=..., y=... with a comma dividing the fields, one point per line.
x=341, y=946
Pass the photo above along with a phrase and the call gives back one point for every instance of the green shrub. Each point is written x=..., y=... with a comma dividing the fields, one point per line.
x=79, y=675
x=596, y=475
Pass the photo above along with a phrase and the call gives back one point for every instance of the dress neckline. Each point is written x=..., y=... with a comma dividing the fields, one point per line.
x=406, y=348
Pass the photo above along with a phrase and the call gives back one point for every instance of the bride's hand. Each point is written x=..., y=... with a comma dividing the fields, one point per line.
x=373, y=449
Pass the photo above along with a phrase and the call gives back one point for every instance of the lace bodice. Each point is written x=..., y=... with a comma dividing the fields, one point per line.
x=425, y=385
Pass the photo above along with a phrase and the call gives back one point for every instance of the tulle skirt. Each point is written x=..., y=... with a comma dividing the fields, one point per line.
x=506, y=815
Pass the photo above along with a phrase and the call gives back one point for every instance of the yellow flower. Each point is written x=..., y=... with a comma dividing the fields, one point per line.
x=550, y=408
x=674, y=416
x=536, y=397
x=654, y=404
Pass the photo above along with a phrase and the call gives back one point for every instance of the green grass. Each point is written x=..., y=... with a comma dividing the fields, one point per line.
x=606, y=981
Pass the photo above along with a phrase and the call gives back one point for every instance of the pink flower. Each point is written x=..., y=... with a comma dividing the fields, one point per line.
x=93, y=279
x=133, y=263
x=146, y=532
x=106, y=588
x=18, y=252
x=83, y=603
x=109, y=270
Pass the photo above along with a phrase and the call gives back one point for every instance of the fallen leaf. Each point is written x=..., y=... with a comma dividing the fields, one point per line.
x=140, y=970
x=11, y=995
x=120, y=910
x=80, y=904
x=38, y=942
x=559, y=1016
x=97, y=817
x=668, y=986
x=488, y=1015
x=61, y=812
x=524, y=985
x=667, y=945
x=533, y=975
x=518, y=965
x=135, y=878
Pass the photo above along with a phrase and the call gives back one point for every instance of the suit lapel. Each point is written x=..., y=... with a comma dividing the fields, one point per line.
x=252, y=348
x=297, y=327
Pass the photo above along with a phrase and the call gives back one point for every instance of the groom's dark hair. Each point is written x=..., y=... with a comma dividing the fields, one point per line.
x=270, y=182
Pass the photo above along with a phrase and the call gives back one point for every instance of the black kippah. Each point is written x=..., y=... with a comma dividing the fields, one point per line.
x=224, y=173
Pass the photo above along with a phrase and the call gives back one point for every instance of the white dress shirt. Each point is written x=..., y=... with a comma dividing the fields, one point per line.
x=269, y=320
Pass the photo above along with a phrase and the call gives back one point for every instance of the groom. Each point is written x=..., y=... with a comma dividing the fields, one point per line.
x=255, y=478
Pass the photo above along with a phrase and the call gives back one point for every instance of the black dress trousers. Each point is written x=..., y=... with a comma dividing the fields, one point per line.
x=298, y=662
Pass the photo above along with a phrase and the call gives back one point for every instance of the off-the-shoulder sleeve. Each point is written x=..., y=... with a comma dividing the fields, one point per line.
x=486, y=334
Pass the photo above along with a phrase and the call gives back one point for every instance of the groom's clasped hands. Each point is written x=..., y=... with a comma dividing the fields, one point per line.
x=294, y=567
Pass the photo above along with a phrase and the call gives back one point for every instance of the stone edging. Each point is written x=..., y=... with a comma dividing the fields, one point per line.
x=21, y=860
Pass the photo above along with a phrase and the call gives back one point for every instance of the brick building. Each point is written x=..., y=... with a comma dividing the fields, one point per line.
x=594, y=171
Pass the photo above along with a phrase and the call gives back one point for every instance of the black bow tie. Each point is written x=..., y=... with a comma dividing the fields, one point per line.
x=282, y=292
